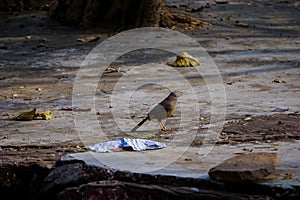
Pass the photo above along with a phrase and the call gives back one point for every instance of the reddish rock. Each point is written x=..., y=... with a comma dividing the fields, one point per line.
x=247, y=168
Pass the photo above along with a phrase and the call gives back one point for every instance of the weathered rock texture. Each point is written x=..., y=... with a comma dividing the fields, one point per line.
x=248, y=168
x=132, y=13
x=77, y=180
x=74, y=179
x=107, y=190
x=20, y=5
x=123, y=14
x=22, y=181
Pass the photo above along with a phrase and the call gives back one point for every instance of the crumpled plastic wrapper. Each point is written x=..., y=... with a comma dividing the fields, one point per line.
x=185, y=60
x=126, y=144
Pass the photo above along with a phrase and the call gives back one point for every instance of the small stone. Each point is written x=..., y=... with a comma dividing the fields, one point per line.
x=278, y=80
x=244, y=25
x=247, y=168
x=221, y=1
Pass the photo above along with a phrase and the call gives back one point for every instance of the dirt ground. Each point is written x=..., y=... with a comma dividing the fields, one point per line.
x=256, y=47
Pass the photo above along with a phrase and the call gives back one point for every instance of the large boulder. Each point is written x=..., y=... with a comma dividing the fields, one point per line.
x=247, y=168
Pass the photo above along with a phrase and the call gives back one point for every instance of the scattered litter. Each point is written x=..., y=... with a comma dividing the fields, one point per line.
x=38, y=89
x=43, y=115
x=74, y=108
x=69, y=108
x=126, y=144
x=88, y=39
x=223, y=138
x=193, y=189
x=247, y=149
x=280, y=109
x=185, y=60
x=111, y=69
x=26, y=116
x=278, y=80
x=28, y=37
x=247, y=119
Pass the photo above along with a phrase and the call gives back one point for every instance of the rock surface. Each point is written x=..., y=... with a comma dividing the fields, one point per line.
x=246, y=168
x=106, y=190
x=125, y=190
x=74, y=179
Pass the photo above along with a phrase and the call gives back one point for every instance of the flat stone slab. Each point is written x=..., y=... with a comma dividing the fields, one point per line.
x=247, y=168
x=87, y=174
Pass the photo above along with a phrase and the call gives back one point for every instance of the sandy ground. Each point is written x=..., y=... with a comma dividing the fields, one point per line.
x=251, y=44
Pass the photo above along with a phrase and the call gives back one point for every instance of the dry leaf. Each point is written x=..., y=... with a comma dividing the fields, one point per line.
x=185, y=60
x=26, y=116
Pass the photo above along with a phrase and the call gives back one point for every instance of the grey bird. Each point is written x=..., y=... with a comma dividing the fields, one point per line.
x=162, y=111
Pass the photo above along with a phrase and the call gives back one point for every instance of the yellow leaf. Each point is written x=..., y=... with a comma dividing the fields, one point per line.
x=44, y=115
x=185, y=60
x=26, y=116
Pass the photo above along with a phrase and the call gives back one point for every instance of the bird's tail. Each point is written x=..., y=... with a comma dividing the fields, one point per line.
x=139, y=124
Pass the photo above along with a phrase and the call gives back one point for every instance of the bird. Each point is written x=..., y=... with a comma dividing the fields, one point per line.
x=162, y=110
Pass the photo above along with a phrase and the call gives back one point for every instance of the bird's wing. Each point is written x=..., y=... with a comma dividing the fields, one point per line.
x=169, y=105
x=158, y=112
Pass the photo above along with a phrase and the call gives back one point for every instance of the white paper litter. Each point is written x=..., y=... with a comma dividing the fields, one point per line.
x=121, y=144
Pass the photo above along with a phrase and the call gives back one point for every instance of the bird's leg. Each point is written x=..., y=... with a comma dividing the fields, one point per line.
x=163, y=127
